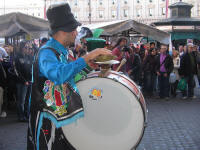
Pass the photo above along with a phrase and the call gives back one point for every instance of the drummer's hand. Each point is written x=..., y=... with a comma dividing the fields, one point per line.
x=93, y=54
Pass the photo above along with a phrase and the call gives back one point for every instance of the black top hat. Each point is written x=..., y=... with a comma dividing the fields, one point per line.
x=61, y=18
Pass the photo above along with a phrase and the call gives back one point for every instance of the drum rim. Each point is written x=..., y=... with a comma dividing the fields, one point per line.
x=141, y=105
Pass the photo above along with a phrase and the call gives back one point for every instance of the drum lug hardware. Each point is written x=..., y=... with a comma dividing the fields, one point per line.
x=115, y=79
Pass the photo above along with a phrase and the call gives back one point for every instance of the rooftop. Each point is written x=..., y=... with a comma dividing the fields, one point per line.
x=178, y=21
x=180, y=4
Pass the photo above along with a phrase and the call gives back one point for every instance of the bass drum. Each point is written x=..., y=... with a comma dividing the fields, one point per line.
x=114, y=114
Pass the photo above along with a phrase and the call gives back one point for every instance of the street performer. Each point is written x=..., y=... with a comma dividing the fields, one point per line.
x=55, y=98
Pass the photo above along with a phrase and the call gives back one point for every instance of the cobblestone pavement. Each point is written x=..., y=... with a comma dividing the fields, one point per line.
x=172, y=125
x=12, y=133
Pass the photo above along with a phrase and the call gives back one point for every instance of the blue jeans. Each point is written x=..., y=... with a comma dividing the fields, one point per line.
x=21, y=97
x=163, y=85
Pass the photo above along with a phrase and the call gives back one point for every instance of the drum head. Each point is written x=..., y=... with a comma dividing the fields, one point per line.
x=113, y=120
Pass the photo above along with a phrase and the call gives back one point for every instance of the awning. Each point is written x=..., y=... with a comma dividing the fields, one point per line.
x=185, y=35
x=14, y=23
x=114, y=28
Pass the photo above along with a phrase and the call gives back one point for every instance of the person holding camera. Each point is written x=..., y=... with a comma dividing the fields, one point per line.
x=121, y=52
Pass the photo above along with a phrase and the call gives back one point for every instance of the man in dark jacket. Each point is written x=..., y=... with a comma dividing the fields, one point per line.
x=134, y=66
x=149, y=68
x=188, y=68
x=163, y=69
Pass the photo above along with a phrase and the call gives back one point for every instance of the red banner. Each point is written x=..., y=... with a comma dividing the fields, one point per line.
x=167, y=4
x=45, y=17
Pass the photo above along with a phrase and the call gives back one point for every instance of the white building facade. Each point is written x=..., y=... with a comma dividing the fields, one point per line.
x=145, y=11
x=29, y=7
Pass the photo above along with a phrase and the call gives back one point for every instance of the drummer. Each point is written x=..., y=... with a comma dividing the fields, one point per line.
x=55, y=99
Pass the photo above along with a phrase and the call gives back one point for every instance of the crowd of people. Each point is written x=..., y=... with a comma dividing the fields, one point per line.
x=159, y=74
x=16, y=77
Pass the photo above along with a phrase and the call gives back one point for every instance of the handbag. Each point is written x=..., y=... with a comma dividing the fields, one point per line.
x=172, y=78
x=182, y=85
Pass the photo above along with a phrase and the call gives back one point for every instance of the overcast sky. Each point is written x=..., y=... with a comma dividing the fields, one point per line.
x=19, y=2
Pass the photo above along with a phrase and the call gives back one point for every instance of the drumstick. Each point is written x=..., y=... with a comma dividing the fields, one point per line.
x=121, y=64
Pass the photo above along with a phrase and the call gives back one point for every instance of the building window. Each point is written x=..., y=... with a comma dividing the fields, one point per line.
x=100, y=14
x=150, y=1
x=138, y=1
x=163, y=11
x=75, y=2
x=138, y=12
x=100, y=2
x=113, y=13
x=75, y=15
x=150, y=12
x=125, y=1
x=113, y=2
x=174, y=13
x=38, y=14
x=125, y=13
x=89, y=15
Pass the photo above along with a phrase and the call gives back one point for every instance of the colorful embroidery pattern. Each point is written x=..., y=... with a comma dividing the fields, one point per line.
x=57, y=97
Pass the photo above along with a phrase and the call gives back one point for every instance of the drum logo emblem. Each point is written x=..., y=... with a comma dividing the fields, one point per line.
x=95, y=94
